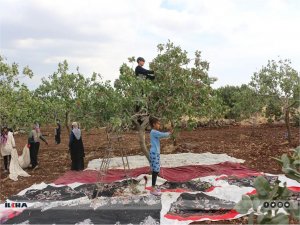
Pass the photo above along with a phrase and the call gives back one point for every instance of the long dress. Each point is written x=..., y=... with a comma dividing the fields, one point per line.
x=57, y=134
x=77, y=152
x=8, y=145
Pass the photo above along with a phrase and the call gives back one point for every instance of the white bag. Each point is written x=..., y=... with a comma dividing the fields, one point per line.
x=24, y=159
x=15, y=169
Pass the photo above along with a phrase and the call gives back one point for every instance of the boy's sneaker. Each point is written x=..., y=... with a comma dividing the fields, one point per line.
x=155, y=192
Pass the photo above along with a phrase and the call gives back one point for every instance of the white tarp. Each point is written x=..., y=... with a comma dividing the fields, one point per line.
x=24, y=159
x=169, y=160
x=15, y=169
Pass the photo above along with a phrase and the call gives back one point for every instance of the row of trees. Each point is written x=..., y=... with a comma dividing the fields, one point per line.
x=182, y=88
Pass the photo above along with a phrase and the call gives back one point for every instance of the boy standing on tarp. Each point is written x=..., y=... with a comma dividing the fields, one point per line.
x=155, y=136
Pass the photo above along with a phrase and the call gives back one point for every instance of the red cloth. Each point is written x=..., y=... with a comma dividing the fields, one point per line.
x=186, y=173
x=8, y=214
x=174, y=174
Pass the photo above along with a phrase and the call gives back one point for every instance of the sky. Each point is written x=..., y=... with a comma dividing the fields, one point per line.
x=237, y=37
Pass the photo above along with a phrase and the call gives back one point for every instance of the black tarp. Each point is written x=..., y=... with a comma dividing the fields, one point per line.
x=125, y=210
x=49, y=193
x=199, y=204
x=248, y=181
x=109, y=190
x=189, y=186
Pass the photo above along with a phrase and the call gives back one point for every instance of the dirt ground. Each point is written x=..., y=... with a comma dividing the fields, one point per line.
x=256, y=145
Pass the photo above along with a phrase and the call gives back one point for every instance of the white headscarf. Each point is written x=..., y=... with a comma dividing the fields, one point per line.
x=76, y=131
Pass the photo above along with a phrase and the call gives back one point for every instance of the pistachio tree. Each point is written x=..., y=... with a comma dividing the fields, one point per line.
x=181, y=88
x=62, y=93
x=15, y=98
x=99, y=105
x=278, y=81
x=240, y=102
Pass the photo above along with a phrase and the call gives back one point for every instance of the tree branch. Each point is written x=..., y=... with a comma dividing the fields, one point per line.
x=292, y=104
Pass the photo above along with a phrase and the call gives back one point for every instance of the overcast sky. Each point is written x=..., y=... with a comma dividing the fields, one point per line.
x=237, y=37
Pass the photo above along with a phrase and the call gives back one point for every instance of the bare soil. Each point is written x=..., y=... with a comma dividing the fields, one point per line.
x=256, y=145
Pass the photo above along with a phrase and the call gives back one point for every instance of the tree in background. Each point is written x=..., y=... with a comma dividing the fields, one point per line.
x=273, y=110
x=100, y=104
x=179, y=89
x=61, y=94
x=15, y=98
x=228, y=96
x=247, y=102
x=278, y=82
x=240, y=102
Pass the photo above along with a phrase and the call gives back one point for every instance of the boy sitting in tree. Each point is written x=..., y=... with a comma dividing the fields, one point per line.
x=141, y=72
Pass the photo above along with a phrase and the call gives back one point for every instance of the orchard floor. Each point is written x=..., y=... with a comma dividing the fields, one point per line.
x=256, y=145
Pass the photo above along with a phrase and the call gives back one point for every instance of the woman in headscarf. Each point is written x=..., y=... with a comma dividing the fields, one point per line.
x=34, y=138
x=7, y=143
x=76, y=148
x=57, y=133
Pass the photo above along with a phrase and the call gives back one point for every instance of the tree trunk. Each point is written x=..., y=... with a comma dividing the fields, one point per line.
x=67, y=121
x=141, y=133
x=287, y=123
x=55, y=118
x=173, y=136
x=142, y=142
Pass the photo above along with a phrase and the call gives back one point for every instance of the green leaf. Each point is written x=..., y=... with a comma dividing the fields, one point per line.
x=295, y=213
x=285, y=193
x=296, y=162
x=256, y=202
x=260, y=218
x=265, y=218
x=280, y=218
x=262, y=186
x=244, y=205
x=251, y=218
x=274, y=192
x=285, y=160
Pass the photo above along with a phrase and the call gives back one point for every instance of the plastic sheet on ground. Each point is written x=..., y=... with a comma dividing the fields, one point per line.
x=189, y=193
x=24, y=159
x=176, y=174
x=169, y=160
x=15, y=169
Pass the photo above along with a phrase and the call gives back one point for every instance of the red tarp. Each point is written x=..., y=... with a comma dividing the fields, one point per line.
x=173, y=174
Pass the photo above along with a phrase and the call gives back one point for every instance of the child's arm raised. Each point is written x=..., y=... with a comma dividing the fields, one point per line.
x=159, y=134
